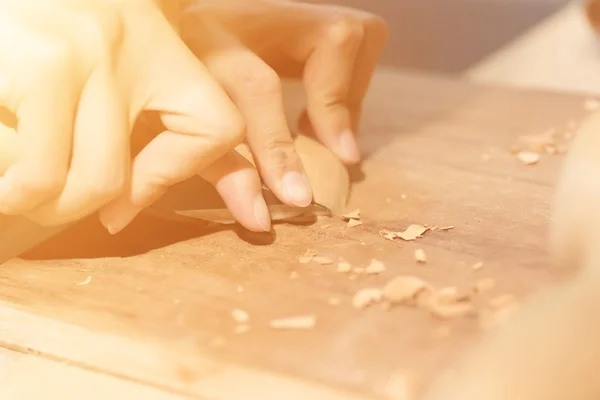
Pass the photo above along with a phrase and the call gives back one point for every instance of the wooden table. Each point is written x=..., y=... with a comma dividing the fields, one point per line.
x=155, y=320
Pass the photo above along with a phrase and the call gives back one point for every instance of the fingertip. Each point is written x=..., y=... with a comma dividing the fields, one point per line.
x=347, y=148
x=117, y=216
x=261, y=214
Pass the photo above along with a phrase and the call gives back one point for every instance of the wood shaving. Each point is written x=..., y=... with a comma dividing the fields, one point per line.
x=591, y=104
x=405, y=288
x=298, y=322
x=365, y=297
x=343, y=267
x=353, y=223
x=447, y=228
x=352, y=215
x=239, y=316
x=326, y=226
x=239, y=329
x=477, y=266
x=305, y=259
x=528, y=157
x=322, y=260
x=502, y=300
x=412, y=232
x=86, y=281
x=420, y=256
x=389, y=235
x=485, y=284
x=375, y=267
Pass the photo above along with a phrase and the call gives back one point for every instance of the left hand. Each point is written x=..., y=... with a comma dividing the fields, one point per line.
x=249, y=44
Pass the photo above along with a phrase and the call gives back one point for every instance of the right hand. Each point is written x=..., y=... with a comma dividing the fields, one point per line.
x=77, y=75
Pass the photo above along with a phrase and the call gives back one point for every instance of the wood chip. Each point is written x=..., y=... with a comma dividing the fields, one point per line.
x=305, y=259
x=365, y=297
x=298, y=322
x=86, y=281
x=498, y=317
x=352, y=215
x=405, y=288
x=485, y=284
x=446, y=228
x=239, y=316
x=528, y=157
x=322, y=260
x=591, y=104
x=477, y=266
x=420, y=256
x=502, y=301
x=412, y=232
x=354, y=222
x=389, y=235
x=375, y=267
x=343, y=267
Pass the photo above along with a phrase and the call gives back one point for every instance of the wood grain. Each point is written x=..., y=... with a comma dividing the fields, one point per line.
x=158, y=307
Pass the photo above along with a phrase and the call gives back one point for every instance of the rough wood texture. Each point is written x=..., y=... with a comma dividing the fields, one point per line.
x=162, y=314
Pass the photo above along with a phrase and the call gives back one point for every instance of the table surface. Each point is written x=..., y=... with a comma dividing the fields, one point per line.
x=155, y=319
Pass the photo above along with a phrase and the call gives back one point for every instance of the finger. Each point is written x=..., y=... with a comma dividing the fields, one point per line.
x=202, y=126
x=256, y=90
x=100, y=161
x=375, y=38
x=238, y=183
x=327, y=79
x=45, y=127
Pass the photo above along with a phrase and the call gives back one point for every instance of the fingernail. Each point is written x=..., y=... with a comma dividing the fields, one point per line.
x=296, y=189
x=348, y=147
x=261, y=213
x=117, y=219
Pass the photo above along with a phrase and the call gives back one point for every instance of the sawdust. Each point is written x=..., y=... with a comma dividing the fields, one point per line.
x=366, y=297
x=297, y=322
x=477, y=266
x=420, y=256
x=240, y=316
x=528, y=157
x=375, y=267
x=404, y=288
x=322, y=260
x=343, y=267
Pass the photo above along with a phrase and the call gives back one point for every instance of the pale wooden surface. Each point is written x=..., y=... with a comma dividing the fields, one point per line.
x=156, y=317
x=560, y=53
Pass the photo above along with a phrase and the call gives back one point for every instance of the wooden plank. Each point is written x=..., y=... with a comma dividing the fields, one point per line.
x=28, y=377
x=158, y=310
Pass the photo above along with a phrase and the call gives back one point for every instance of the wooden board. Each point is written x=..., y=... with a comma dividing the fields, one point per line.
x=158, y=310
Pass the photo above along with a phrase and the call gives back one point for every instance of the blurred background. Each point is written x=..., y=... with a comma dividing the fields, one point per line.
x=451, y=35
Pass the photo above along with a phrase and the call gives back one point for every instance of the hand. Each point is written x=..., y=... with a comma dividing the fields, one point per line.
x=248, y=44
x=77, y=75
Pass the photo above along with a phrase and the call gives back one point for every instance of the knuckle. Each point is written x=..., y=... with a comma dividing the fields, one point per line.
x=39, y=185
x=259, y=79
x=232, y=128
x=101, y=30
x=278, y=153
x=347, y=29
x=54, y=52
